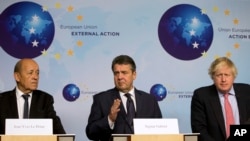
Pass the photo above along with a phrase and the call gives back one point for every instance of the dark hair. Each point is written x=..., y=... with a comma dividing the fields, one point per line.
x=124, y=59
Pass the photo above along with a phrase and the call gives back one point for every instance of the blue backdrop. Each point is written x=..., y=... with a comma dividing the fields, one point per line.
x=74, y=42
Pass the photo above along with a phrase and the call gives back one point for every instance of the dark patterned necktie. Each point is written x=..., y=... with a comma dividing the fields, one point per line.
x=130, y=109
x=26, y=105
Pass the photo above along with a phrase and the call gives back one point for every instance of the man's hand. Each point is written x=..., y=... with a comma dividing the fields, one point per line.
x=115, y=108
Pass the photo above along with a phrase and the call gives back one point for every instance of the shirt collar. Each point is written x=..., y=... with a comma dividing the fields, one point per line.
x=132, y=92
x=19, y=93
x=231, y=91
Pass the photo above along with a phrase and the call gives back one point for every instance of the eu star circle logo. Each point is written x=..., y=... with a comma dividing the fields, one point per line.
x=158, y=91
x=185, y=32
x=71, y=92
x=27, y=29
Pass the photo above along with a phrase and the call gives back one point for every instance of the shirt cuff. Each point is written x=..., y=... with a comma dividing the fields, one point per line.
x=111, y=123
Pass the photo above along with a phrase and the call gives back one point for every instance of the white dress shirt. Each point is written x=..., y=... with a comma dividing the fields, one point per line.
x=20, y=102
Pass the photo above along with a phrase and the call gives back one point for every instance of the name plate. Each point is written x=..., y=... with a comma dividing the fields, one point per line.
x=28, y=127
x=156, y=126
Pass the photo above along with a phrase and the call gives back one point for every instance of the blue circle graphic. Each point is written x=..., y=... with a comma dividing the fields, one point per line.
x=71, y=92
x=159, y=91
x=185, y=32
x=27, y=29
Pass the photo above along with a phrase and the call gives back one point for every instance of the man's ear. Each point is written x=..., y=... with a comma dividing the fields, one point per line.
x=17, y=76
x=134, y=75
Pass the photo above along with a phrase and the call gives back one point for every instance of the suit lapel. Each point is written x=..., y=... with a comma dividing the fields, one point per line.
x=242, y=110
x=241, y=105
x=216, y=105
x=13, y=104
x=139, y=103
x=33, y=107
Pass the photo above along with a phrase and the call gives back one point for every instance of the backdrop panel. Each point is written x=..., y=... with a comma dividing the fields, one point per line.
x=173, y=43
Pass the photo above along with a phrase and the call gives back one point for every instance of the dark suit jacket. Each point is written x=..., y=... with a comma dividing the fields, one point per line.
x=98, y=126
x=206, y=112
x=41, y=107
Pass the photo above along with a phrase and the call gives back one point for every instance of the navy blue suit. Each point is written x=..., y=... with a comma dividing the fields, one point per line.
x=98, y=127
x=206, y=112
x=41, y=107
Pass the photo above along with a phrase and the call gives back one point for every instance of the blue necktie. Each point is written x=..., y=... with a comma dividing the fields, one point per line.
x=26, y=105
x=130, y=109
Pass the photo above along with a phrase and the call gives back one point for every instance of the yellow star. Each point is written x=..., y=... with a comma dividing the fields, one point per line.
x=57, y=56
x=203, y=11
x=215, y=8
x=227, y=12
x=58, y=5
x=236, y=21
x=79, y=43
x=45, y=8
x=204, y=53
x=70, y=52
x=216, y=56
x=236, y=45
x=70, y=8
x=228, y=54
x=79, y=17
x=44, y=52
